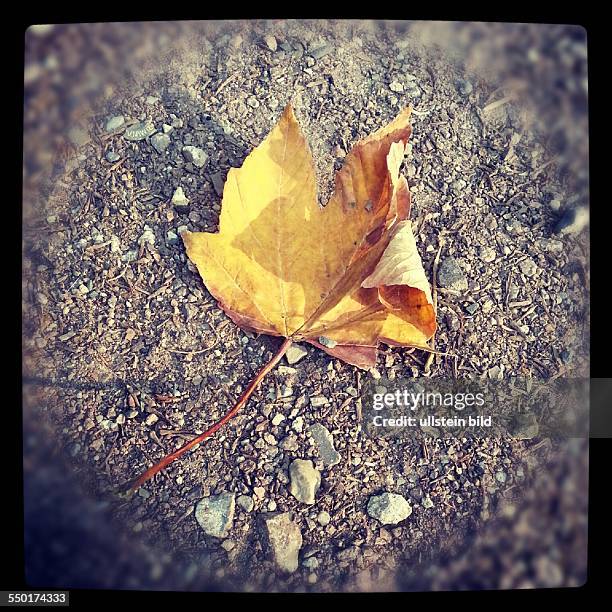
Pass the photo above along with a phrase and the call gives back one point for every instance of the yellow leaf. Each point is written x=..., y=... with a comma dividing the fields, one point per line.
x=343, y=277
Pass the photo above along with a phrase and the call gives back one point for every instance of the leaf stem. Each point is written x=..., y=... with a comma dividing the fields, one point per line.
x=168, y=459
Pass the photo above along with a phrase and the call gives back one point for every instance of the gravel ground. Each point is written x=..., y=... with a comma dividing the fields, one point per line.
x=126, y=355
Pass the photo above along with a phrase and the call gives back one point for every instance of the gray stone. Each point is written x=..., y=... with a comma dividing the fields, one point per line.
x=114, y=123
x=278, y=419
x=215, y=514
x=451, y=276
x=327, y=342
x=325, y=443
x=515, y=227
x=311, y=563
x=396, y=86
x=160, y=142
x=464, y=87
x=320, y=52
x=245, y=502
x=112, y=157
x=147, y=236
x=323, y=518
x=228, y=545
x=487, y=254
x=471, y=308
x=412, y=89
x=528, y=267
x=270, y=41
x=218, y=182
x=195, y=155
x=305, y=480
x=550, y=245
x=284, y=540
x=151, y=419
x=140, y=131
x=427, y=503
x=289, y=443
x=318, y=400
x=286, y=391
x=389, y=508
x=459, y=185
x=294, y=353
x=179, y=198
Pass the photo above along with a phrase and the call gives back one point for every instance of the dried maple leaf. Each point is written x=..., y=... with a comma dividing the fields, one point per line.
x=343, y=277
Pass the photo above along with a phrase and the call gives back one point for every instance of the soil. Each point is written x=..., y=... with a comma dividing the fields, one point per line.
x=127, y=356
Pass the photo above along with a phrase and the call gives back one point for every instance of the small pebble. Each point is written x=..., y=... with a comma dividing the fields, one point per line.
x=487, y=254
x=451, y=276
x=528, y=267
x=325, y=443
x=284, y=540
x=198, y=157
x=278, y=419
x=114, y=123
x=464, y=87
x=151, y=419
x=270, y=41
x=215, y=514
x=245, y=502
x=179, y=198
x=305, y=480
x=320, y=52
x=160, y=142
x=389, y=508
x=295, y=353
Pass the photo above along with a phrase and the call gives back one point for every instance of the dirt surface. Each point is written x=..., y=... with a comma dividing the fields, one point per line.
x=126, y=355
